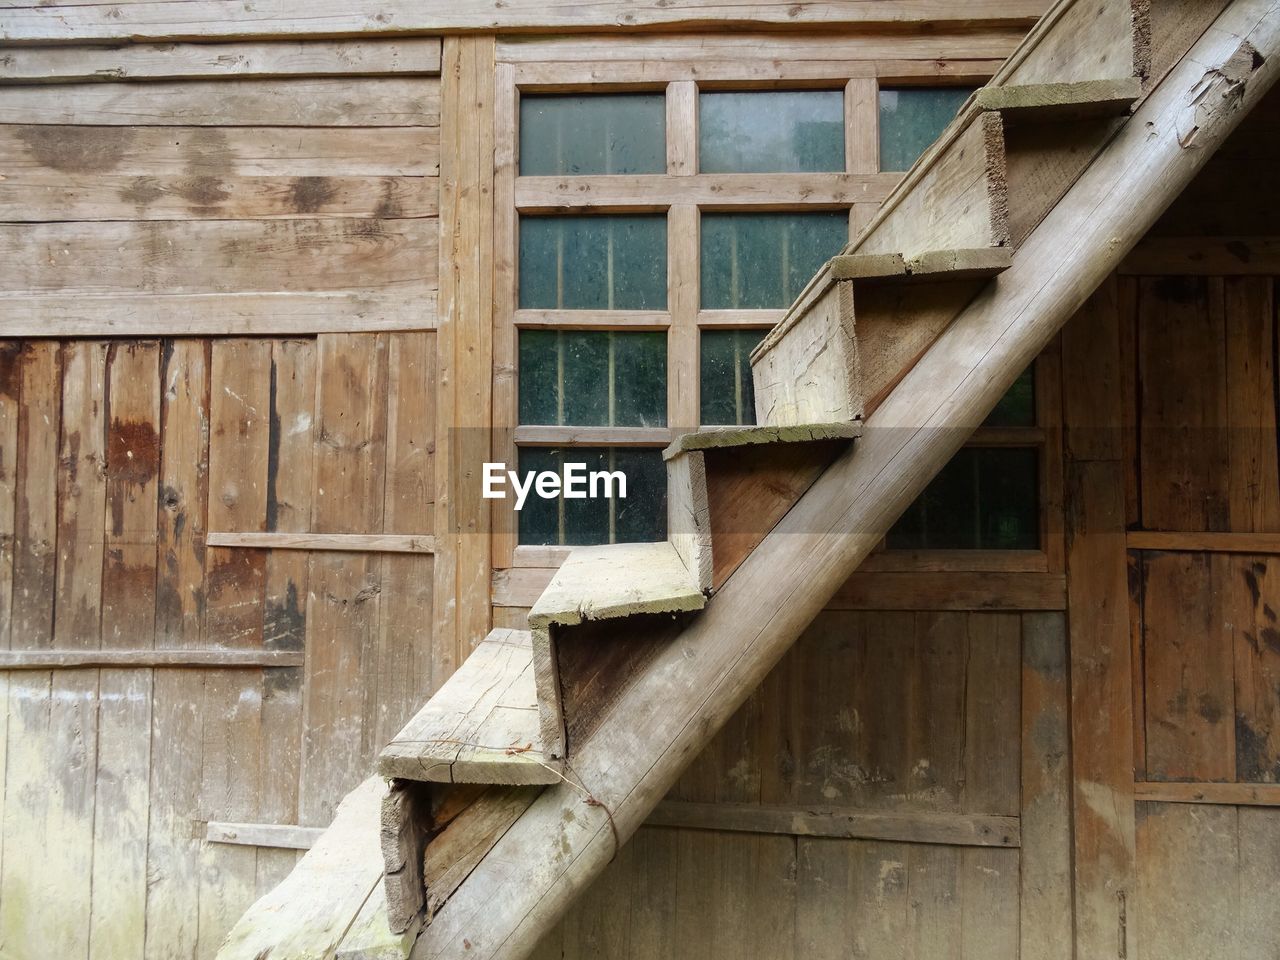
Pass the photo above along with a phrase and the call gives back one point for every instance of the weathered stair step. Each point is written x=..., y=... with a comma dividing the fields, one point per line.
x=482, y=726
x=858, y=326
x=728, y=486
x=596, y=584
x=1060, y=102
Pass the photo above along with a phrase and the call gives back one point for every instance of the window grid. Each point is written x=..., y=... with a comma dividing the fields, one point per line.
x=679, y=194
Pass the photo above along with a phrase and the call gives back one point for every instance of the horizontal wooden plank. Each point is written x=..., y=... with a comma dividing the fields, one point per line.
x=594, y=319
x=358, y=542
x=748, y=74
x=951, y=829
x=220, y=256
x=791, y=48
x=215, y=314
x=283, y=836
x=375, y=102
x=951, y=591
x=220, y=152
x=44, y=196
x=1237, y=794
x=775, y=191
x=1204, y=256
x=217, y=19
x=588, y=436
x=957, y=561
x=190, y=61
x=756, y=319
x=520, y=586
x=221, y=659
x=1204, y=542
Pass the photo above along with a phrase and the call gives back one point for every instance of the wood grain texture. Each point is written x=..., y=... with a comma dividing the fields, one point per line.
x=210, y=19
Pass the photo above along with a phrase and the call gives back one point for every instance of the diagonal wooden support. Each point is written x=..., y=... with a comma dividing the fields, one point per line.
x=692, y=684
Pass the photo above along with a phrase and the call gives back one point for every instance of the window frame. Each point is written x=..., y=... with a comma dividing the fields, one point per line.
x=682, y=194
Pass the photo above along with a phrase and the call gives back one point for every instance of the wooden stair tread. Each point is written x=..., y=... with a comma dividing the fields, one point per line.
x=482, y=726
x=617, y=580
x=927, y=265
x=1061, y=101
x=719, y=438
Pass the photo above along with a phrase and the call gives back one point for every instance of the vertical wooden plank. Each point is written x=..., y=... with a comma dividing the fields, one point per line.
x=653, y=907
x=239, y=424
x=48, y=813
x=862, y=126
x=1189, y=880
x=341, y=692
x=173, y=854
x=936, y=721
x=1187, y=669
x=128, y=622
x=1183, y=408
x=1097, y=597
x=992, y=685
x=465, y=342
x=682, y=128
x=599, y=925
x=935, y=908
x=506, y=146
x=1253, y=476
x=289, y=483
x=1248, y=595
x=683, y=346
x=1045, y=891
x=989, y=896
x=404, y=651
x=10, y=390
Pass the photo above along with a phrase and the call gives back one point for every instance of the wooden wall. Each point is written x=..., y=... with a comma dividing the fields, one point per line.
x=263, y=254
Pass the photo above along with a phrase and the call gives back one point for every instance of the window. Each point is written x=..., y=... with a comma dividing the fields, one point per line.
x=596, y=134
x=911, y=118
x=987, y=497
x=758, y=261
x=635, y=297
x=593, y=378
x=726, y=390
x=771, y=131
x=562, y=522
x=593, y=263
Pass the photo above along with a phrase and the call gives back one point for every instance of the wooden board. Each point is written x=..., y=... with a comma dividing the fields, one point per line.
x=482, y=726
x=808, y=369
x=309, y=914
x=209, y=19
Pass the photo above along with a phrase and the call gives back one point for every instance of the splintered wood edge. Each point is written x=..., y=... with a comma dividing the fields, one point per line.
x=963, y=264
x=1054, y=101
x=747, y=436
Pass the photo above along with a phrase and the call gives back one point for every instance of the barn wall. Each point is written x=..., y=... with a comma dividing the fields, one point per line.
x=262, y=254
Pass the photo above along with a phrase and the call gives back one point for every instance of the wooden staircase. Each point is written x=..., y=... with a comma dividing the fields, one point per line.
x=535, y=707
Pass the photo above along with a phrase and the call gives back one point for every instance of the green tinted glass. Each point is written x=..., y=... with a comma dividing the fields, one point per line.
x=593, y=378
x=640, y=517
x=986, y=498
x=761, y=261
x=1017, y=408
x=593, y=263
x=596, y=133
x=771, y=131
x=726, y=394
x=911, y=118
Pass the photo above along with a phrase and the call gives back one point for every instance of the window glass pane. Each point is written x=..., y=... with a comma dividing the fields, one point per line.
x=727, y=395
x=911, y=118
x=595, y=133
x=1017, y=408
x=986, y=498
x=761, y=261
x=641, y=516
x=771, y=131
x=593, y=378
x=593, y=263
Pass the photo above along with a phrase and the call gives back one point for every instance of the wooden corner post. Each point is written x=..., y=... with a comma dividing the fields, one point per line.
x=465, y=345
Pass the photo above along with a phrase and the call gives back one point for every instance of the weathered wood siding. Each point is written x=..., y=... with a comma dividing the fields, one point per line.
x=300, y=216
